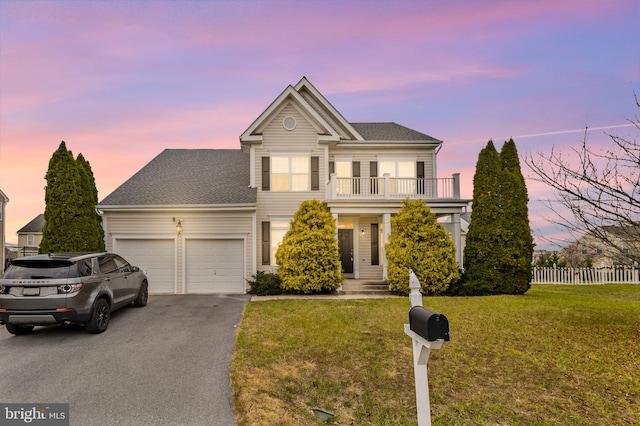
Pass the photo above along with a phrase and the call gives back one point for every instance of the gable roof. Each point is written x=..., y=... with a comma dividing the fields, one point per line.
x=390, y=132
x=330, y=124
x=33, y=227
x=3, y=197
x=289, y=95
x=188, y=177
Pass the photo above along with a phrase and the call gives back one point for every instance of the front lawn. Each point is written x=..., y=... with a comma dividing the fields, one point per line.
x=558, y=355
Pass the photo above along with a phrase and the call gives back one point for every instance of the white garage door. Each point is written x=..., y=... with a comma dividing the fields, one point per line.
x=214, y=266
x=155, y=257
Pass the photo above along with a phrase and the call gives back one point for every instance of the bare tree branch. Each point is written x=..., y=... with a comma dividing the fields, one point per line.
x=600, y=191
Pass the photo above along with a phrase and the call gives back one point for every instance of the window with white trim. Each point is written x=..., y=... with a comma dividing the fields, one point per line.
x=278, y=229
x=290, y=173
x=403, y=172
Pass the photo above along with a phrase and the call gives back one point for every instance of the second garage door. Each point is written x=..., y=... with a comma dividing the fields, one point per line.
x=155, y=257
x=214, y=266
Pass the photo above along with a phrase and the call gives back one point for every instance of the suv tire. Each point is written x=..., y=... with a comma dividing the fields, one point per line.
x=19, y=330
x=99, y=317
x=141, y=300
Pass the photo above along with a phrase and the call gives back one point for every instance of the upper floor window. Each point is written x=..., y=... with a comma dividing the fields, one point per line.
x=397, y=169
x=403, y=173
x=30, y=240
x=290, y=173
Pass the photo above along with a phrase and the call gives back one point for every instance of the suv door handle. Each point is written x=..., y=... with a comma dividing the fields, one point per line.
x=107, y=279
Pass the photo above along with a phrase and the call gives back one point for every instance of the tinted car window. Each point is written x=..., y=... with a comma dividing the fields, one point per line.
x=122, y=264
x=84, y=268
x=107, y=264
x=52, y=269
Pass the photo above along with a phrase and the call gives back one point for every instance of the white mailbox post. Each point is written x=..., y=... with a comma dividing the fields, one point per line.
x=428, y=331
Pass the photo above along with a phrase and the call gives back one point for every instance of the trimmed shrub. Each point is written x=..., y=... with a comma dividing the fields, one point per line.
x=265, y=284
x=308, y=257
x=420, y=244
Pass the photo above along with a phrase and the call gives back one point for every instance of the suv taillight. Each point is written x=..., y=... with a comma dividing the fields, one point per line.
x=69, y=288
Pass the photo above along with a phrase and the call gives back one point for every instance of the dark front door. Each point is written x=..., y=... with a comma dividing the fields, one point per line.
x=345, y=238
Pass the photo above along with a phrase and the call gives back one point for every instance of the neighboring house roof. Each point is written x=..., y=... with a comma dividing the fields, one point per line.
x=3, y=197
x=33, y=227
x=188, y=177
x=390, y=132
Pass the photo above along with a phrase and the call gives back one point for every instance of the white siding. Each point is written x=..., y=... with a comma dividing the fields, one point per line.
x=195, y=225
x=303, y=139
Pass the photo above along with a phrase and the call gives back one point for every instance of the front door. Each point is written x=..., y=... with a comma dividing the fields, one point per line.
x=345, y=239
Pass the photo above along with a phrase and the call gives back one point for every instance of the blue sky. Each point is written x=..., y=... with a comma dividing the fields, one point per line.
x=119, y=81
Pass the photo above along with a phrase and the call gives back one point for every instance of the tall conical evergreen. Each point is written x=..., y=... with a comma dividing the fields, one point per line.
x=499, y=246
x=482, y=275
x=63, y=203
x=94, y=237
x=70, y=222
x=518, y=247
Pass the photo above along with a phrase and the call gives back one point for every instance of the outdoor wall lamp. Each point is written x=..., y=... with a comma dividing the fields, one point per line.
x=178, y=226
x=362, y=232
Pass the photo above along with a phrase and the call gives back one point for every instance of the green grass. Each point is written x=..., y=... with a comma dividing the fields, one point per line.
x=559, y=355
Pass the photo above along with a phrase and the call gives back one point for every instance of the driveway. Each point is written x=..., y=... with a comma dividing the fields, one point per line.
x=164, y=364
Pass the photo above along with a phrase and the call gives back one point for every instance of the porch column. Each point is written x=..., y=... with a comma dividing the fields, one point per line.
x=335, y=217
x=456, y=235
x=386, y=230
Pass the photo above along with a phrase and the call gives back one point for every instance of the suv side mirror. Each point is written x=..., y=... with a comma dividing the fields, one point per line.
x=134, y=269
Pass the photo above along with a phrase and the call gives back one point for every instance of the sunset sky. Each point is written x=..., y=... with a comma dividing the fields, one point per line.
x=120, y=81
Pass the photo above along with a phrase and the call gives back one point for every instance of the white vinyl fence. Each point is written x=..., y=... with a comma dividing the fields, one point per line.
x=607, y=275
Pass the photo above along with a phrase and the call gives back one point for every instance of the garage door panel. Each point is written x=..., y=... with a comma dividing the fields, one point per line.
x=155, y=257
x=215, y=266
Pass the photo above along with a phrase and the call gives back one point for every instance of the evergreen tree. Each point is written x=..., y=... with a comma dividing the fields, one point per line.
x=482, y=267
x=71, y=223
x=419, y=243
x=63, y=199
x=94, y=237
x=308, y=257
x=499, y=244
x=518, y=243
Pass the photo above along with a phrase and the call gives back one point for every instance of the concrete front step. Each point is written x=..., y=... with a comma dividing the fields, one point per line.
x=354, y=287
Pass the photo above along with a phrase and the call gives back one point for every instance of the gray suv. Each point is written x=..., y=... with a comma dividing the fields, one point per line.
x=68, y=288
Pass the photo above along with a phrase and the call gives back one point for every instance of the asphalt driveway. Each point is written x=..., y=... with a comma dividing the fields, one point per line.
x=164, y=364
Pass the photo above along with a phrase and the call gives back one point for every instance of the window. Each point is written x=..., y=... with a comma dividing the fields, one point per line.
x=272, y=235
x=30, y=240
x=290, y=173
x=278, y=229
x=403, y=173
x=343, y=170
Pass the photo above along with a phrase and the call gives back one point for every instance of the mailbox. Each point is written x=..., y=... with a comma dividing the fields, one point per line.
x=429, y=325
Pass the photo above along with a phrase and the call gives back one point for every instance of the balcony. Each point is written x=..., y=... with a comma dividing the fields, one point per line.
x=388, y=188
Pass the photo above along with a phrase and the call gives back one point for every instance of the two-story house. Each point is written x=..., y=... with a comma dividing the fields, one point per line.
x=30, y=236
x=206, y=220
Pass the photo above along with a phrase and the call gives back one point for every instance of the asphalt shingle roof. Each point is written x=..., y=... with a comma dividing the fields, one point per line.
x=190, y=177
x=390, y=132
x=34, y=226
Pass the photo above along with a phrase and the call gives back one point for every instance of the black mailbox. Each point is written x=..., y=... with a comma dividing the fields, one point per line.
x=429, y=325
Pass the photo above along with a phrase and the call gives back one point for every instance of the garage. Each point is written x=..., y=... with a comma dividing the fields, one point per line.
x=214, y=266
x=155, y=257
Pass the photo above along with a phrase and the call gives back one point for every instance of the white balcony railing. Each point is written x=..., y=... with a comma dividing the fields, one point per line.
x=386, y=187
